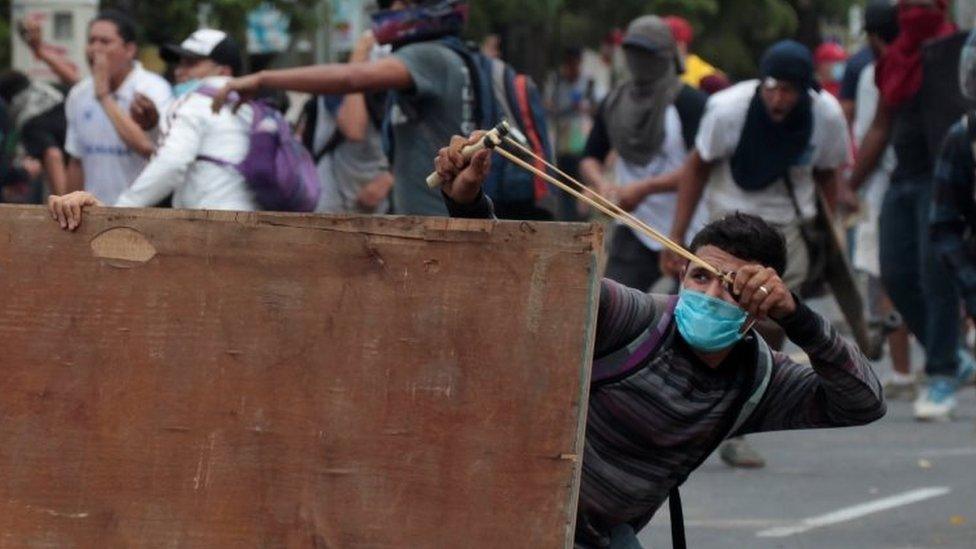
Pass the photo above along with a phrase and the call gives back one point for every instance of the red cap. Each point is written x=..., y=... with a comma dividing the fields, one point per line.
x=829, y=52
x=680, y=29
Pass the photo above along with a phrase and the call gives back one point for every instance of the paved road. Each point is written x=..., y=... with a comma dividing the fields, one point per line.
x=894, y=484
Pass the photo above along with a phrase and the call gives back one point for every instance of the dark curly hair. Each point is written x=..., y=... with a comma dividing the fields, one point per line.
x=747, y=237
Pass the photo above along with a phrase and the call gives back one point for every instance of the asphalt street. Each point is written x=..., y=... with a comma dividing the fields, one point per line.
x=893, y=484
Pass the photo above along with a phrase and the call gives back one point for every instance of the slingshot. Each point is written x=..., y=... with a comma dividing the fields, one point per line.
x=497, y=136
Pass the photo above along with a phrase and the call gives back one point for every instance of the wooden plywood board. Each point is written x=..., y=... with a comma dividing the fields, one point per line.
x=266, y=380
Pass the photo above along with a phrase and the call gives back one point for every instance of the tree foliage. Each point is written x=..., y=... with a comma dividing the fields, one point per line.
x=173, y=20
x=730, y=33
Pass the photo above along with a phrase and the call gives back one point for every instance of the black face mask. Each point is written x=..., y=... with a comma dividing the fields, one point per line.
x=767, y=149
x=419, y=21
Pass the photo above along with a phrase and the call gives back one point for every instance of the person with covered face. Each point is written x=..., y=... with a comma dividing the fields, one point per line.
x=763, y=148
x=911, y=271
x=674, y=376
x=650, y=121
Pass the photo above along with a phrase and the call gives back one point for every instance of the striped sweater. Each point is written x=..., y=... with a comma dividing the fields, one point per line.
x=646, y=432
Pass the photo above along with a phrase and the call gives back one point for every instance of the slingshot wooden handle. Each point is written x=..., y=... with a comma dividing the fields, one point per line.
x=490, y=140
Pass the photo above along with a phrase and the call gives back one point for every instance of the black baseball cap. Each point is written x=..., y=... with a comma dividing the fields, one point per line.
x=212, y=44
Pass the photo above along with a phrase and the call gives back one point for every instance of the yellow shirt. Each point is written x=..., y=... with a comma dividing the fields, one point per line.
x=695, y=69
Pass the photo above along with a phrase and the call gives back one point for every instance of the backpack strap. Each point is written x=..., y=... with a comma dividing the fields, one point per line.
x=764, y=372
x=628, y=358
x=678, y=540
x=501, y=75
x=521, y=84
x=480, y=80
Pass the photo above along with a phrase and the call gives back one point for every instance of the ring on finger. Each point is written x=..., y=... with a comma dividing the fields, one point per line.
x=764, y=290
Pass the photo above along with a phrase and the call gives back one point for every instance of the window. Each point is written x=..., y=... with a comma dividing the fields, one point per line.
x=64, y=26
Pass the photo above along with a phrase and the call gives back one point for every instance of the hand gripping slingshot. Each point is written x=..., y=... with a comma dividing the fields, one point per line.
x=499, y=136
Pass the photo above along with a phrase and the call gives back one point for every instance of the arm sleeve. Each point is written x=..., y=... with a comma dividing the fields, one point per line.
x=835, y=149
x=167, y=169
x=427, y=66
x=598, y=142
x=481, y=208
x=953, y=211
x=839, y=388
x=712, y=141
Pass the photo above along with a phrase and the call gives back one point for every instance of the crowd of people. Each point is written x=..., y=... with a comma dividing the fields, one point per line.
x=741, y=170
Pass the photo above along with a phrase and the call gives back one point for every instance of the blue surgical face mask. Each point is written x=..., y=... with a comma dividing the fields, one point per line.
x=184, y=88
x=707, y=323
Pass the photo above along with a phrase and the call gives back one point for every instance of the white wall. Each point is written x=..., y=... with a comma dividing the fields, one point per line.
x=64, y=24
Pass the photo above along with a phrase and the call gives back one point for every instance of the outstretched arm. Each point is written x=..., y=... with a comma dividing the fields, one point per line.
x=336, y=79
x=839, y=388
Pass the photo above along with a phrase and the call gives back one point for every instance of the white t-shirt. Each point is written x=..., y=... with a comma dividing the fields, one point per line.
x=718, y=138
x=657, y=210
x=190, y=130
x=109, y=166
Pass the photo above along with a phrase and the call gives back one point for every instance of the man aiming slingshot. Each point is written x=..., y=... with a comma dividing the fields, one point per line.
x=674, y=376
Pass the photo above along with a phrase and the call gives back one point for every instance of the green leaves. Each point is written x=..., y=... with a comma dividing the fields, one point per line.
x=729, y=33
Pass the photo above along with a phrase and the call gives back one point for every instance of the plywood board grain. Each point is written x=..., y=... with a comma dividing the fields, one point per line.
x=201, y=379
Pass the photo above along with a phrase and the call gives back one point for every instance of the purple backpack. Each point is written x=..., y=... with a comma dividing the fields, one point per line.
x=277, y=167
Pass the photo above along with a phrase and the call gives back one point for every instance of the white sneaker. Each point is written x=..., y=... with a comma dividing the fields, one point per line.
x=937, y=401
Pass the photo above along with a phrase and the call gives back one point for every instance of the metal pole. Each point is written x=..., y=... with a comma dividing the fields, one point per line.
x=323, y=49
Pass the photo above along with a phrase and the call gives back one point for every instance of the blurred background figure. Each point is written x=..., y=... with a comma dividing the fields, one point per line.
x=343, y=133
x=570, y=102
x=829, y=59
x=491, y=46
x=695, y=68
x=36, y=110
x=108, y=148
x=881, y=28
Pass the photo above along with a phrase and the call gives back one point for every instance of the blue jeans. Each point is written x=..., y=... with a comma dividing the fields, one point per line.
x=919, y=284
